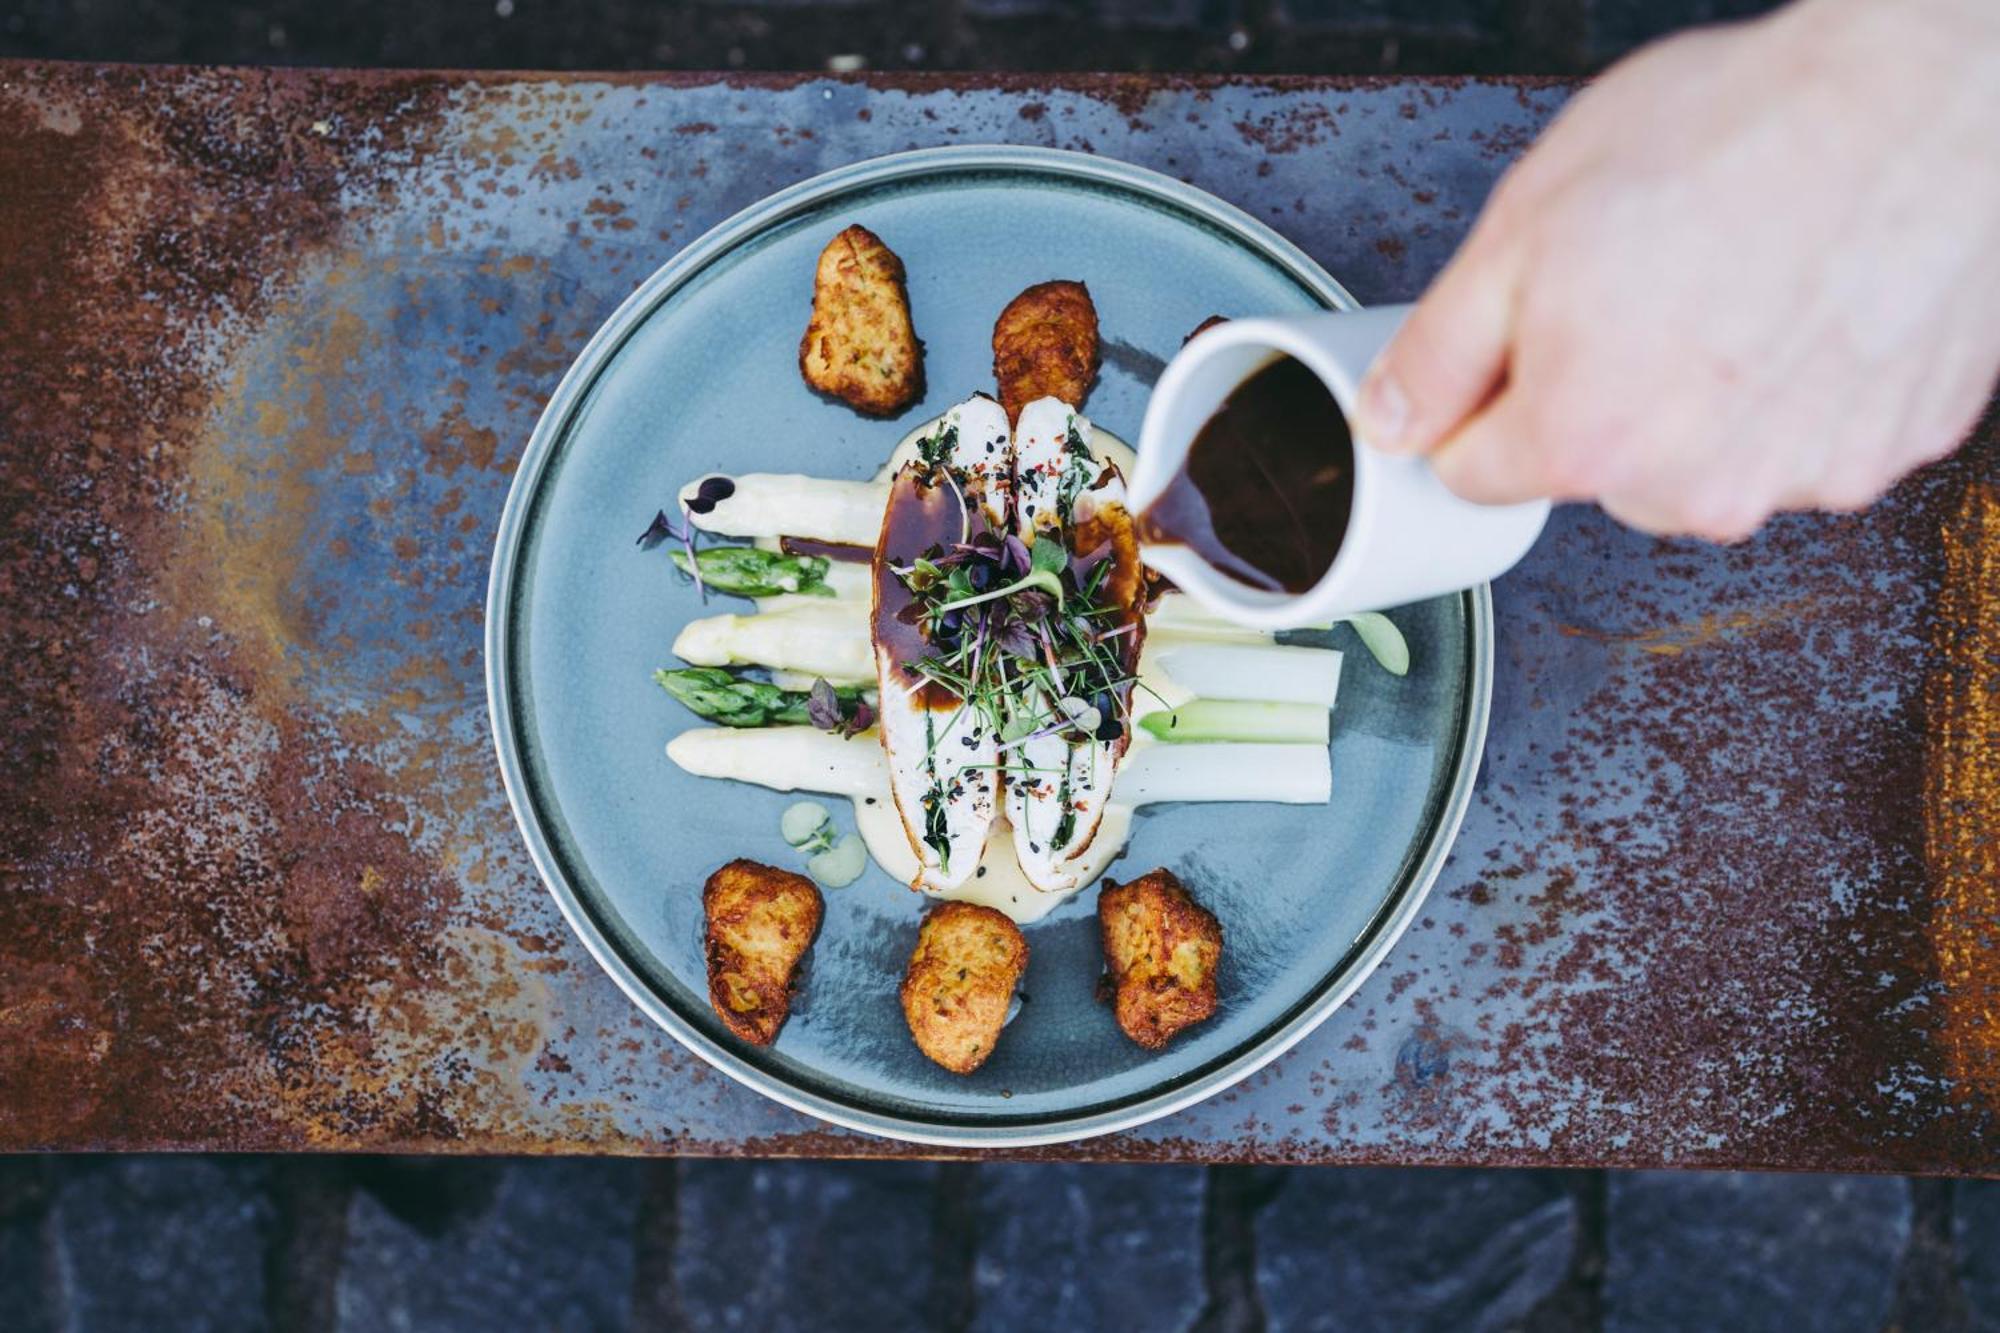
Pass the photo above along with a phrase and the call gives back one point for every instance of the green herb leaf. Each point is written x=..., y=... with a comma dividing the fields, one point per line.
x=939, y=447
x=1048, y=556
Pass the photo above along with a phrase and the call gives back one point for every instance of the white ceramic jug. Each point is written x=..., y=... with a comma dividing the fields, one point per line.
x=1407, y=537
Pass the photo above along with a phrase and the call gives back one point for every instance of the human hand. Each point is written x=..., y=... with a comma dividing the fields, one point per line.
x=1751, y=269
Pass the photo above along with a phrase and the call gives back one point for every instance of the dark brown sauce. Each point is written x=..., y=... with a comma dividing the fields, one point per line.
x=859, y=555
x=1268, y=484
x=919, y=516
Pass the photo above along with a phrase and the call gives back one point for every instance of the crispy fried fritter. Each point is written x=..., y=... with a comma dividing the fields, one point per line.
x=860, y=345
x=961, y=982
x=1161, y=948
x=761, y=921
x=1045, y=346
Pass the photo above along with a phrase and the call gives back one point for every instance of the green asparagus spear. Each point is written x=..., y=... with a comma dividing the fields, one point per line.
x=750, y=571
x=713, y=693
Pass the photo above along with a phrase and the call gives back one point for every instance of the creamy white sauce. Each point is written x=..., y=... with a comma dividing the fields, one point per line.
x=998, y=883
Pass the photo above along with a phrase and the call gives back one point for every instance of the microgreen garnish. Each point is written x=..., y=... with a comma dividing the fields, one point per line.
x=936, y=450
x=1022, y=634
x=661, y=529
x=1078, y=472
x=1045, y=563
x=845, y=717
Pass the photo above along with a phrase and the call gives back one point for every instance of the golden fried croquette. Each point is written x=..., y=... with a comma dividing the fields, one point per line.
x=961, y=983
x=860, y=346
x=761, y=921
x=1045, y=346
x=1161, y=949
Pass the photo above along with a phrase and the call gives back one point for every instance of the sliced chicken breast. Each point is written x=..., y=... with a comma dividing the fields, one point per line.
x=941, y=751
x=1056, y=786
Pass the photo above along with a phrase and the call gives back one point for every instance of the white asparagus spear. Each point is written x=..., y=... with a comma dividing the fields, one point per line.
x=812, y=640
x=780, y=504
x=1181, y=615
x=785, y=759
x=854, y=612
x=1177, y=614
x=767, y=506
x=807, y=759
x=1225, y=771
x=1273, y=673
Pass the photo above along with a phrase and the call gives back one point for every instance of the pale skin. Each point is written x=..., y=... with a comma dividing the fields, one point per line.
x=1751, y=269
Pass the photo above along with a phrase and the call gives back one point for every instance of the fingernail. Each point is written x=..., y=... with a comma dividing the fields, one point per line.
x=1385, y=411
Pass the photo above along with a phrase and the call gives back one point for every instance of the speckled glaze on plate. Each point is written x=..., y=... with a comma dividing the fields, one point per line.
x=697, y=371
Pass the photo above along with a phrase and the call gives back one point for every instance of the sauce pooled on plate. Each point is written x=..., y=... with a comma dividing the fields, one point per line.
x=1265, y=492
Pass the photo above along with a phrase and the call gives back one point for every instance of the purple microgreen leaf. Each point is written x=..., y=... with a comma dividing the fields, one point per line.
x=823, y=706
x=1081, y=567
x=1018, y=560
x=659, y=530
x=1015, y=638
x=1031, y=604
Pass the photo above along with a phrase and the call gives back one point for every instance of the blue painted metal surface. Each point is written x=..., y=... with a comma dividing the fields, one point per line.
x=276, y=340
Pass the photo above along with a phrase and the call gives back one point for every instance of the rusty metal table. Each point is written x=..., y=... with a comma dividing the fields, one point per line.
x=269, y=346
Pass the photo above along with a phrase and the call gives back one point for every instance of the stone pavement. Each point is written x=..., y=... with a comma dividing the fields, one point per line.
x=1244, y=36
x=157, y=1244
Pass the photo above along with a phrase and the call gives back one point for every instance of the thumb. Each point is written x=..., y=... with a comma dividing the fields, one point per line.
x=1450, y=356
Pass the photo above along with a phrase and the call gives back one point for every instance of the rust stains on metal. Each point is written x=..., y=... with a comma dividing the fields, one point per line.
x=271, y=344
x=150, y=760
x=1710, y=627
x=1962, y=790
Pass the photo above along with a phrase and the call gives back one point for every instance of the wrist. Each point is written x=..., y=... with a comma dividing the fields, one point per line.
x=1960, y=35
x=1926, y=68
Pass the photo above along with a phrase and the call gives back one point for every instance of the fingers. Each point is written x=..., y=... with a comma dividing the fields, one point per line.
x=1451, y=354
x=1501, y=456
x=1494, y=458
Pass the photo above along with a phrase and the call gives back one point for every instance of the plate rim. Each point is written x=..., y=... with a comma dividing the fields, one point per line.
x=501, y=720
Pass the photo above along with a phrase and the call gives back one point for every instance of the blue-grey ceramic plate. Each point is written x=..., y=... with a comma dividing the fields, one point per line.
x=698, y=372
